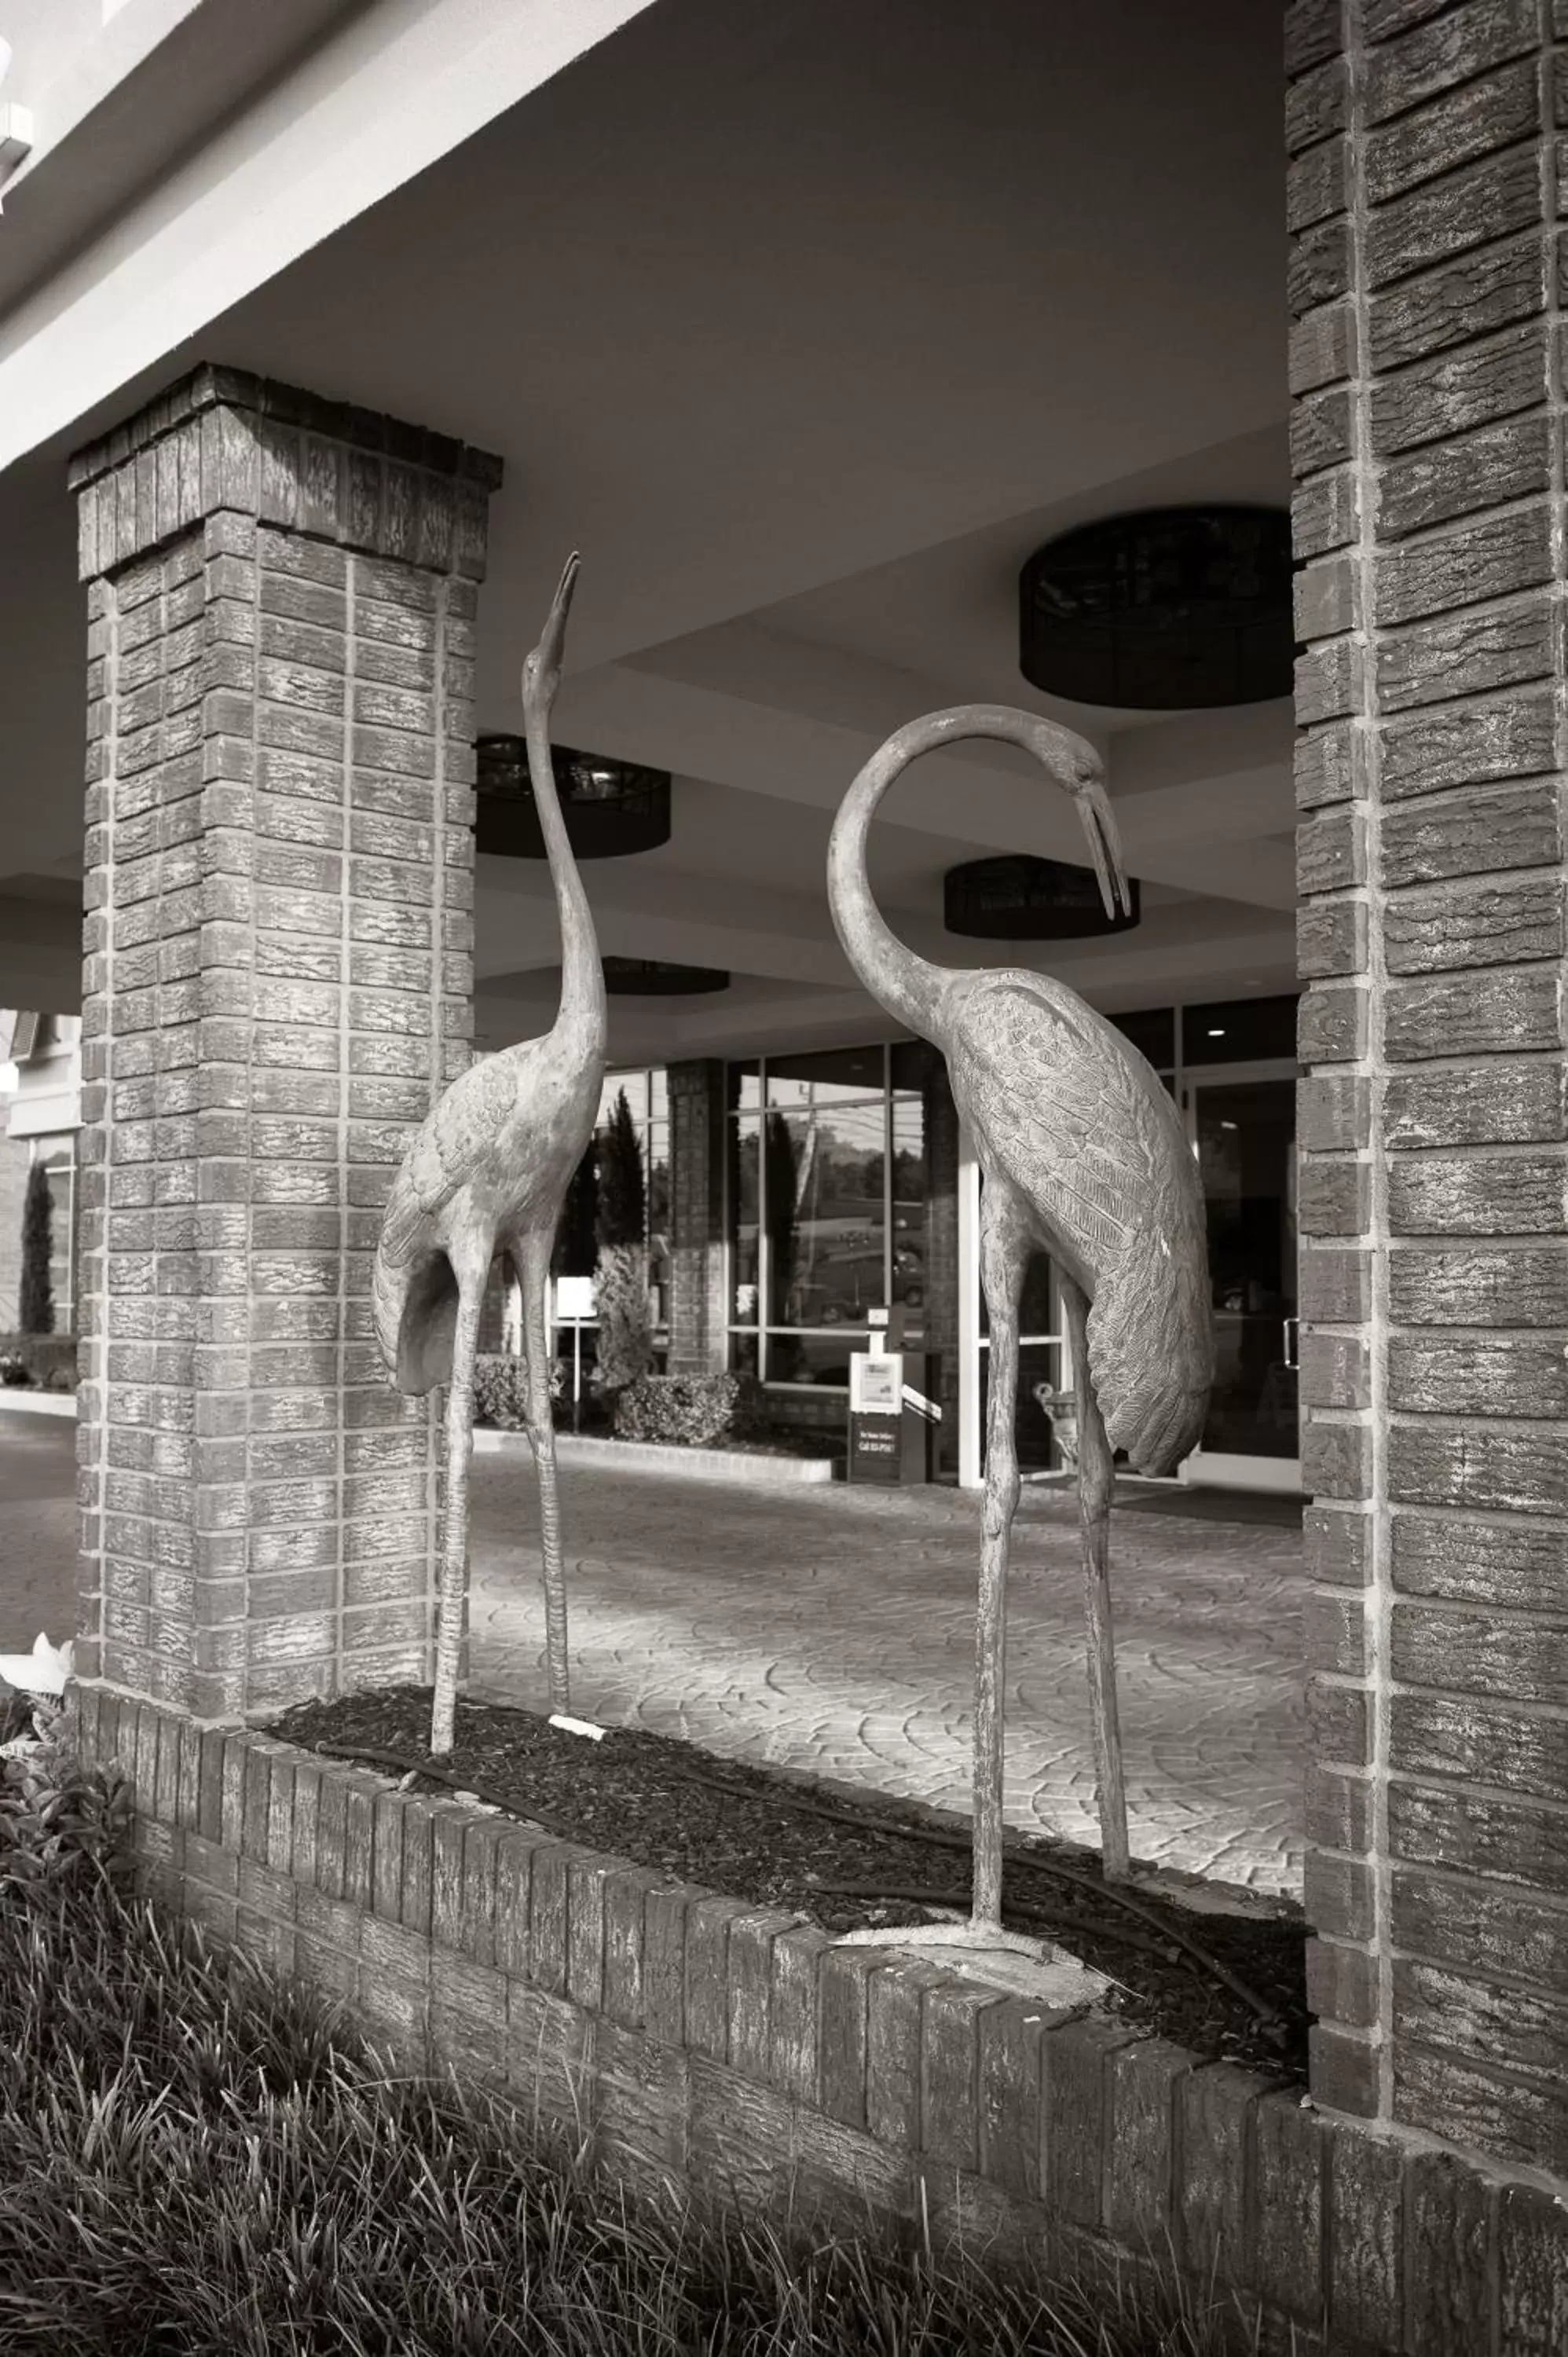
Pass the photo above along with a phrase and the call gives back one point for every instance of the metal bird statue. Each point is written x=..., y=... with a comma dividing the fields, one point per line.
x=1082, y=1153
x=486, y=1174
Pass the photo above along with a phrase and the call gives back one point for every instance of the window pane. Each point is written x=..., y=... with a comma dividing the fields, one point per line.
x=812, y=1358
x=911, y=1060
x=657, y=1175
x=825, y=1174
x=1151, y=1032
x=743, y=1084
x=659, y=1094
x=840, y=1074
x=743, y=1161
x=1238, y=1031
x=742, y=1354
x=909, y=1213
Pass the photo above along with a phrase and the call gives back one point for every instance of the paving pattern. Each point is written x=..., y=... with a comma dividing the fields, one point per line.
x=833, y=1630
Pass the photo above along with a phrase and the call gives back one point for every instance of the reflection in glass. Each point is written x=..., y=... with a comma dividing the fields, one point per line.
x=835, y=1077
x=909, y=1213
x=811, y=1358
x=744, y=1145
x=1045, y=1420
x=825, y=1182
x=1246, y=1141
x=742, y=1354
x=744, y=1085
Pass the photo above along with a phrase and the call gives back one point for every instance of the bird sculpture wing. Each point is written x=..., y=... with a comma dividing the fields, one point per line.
x=1072, y=1116
x=449, y=1153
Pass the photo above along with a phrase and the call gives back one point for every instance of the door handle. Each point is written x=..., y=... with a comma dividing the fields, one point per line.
x=1291, y=1358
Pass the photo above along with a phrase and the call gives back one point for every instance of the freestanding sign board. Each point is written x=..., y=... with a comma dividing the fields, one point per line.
x=893, y=1416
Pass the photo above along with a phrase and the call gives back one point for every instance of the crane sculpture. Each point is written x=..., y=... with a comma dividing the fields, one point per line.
x=486, y=1174
x=1082, y=1154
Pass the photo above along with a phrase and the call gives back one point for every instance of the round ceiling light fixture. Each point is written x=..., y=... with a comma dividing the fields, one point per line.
x=1015, y=897
x=655, y=978
x=1169, y=609
x=611, y=808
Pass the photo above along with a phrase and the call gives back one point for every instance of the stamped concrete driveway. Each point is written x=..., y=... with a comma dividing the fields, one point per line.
x=833, y=1630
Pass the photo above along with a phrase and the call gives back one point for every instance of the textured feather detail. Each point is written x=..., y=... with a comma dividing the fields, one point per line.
x=449, y=1150
x=1067, y=1112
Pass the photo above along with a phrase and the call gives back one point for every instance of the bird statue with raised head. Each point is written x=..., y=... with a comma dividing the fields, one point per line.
x=486, y=1175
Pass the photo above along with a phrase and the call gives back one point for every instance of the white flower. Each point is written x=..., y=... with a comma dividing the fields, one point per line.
x=43, y=1671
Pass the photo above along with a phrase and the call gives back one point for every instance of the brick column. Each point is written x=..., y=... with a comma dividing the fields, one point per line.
x=277, y=987
x=698, y=1319
x=1426, y=283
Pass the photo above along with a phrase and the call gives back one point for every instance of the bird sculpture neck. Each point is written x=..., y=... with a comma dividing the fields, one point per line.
x=906, y=986
x=582, y=971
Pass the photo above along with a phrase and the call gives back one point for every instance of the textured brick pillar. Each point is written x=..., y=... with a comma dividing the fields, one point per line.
x=941, y=1121
x=278, y=985
x=698, y=1321
x=1426, y=283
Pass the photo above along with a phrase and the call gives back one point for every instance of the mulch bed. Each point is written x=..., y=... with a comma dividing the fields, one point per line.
x=1230, y=1988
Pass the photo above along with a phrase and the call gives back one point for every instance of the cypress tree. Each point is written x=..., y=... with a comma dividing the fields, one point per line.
x=37, y=1305
x=576, y=1246
x=623, y=1197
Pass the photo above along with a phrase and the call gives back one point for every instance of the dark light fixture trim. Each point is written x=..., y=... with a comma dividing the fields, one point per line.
x=1166, y=609
x=655, y=978
x=1015, y=897
x=611, y=808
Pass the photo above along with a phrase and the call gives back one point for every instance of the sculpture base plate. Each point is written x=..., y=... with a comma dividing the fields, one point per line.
x=1034, y=1969
x=990, y=1937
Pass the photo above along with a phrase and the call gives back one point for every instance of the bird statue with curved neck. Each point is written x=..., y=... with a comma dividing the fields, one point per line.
x=486, y=1175
x=1082, y=1154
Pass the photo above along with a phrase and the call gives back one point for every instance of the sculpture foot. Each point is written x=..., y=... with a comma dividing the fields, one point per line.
x=966, y=1934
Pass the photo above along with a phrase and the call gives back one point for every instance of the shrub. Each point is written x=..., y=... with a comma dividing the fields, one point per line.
x=689, y=1410
x=501, y=1392
x=35, y=1304
x=48, y=1360
x=626, y=1336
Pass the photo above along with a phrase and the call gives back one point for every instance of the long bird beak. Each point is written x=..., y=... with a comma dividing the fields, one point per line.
x=1105, y=845
x=542, y=671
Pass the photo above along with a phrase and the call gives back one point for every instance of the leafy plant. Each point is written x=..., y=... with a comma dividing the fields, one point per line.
x=36, y=1301
x=501, y=1392
x=690, y=1411
x=626, y=1336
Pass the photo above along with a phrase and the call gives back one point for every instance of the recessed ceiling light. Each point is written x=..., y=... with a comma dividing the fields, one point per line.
x=1218, y=1035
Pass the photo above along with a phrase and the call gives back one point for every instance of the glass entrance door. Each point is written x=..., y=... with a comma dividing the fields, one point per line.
x=1244, y=1127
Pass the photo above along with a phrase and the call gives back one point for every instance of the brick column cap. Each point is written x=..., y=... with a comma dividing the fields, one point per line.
x=224, y=438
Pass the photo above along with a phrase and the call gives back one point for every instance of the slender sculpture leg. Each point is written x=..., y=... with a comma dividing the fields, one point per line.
x=534, y=1272
x=1096, y=1469
x=1004, y=1250
x=1003, y=1253
x=453, y=1614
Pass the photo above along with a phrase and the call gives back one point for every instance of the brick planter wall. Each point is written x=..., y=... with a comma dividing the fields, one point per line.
x=734, y=2052
x=1426, y=289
